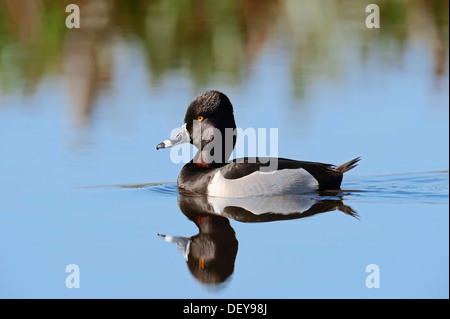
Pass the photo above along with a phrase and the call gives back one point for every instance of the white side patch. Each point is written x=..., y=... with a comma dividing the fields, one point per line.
x=282, y=182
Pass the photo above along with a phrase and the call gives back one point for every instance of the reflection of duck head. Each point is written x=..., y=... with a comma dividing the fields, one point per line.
x=213, y=251
x=211, y=254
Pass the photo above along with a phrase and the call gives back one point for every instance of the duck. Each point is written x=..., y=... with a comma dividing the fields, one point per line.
x=210, y=126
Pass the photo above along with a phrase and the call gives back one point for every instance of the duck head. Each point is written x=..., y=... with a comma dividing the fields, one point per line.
x=209, y=125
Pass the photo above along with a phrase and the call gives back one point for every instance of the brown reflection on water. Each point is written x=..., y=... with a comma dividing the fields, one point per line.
x=210, y=41
x=88, y=57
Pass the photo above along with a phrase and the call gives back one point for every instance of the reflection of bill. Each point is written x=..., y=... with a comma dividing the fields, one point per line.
x=211, y=254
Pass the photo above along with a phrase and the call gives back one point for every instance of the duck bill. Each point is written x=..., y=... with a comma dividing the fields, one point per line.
x=181, y=137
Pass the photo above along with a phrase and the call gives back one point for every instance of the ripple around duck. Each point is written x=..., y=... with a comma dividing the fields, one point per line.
x=166, y=188
x=424, y=187
x=163, y=188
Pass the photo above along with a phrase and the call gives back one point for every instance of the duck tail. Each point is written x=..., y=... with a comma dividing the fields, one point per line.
x=348, y=166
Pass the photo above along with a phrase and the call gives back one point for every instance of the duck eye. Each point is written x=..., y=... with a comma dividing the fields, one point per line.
x=200, y=118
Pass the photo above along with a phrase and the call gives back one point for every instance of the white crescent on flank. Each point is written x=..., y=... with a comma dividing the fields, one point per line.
x=285, y=181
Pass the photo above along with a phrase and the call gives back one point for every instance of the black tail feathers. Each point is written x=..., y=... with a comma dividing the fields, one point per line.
x=348, y=166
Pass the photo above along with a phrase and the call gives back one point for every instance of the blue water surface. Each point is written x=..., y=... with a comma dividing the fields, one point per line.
x=99, y=196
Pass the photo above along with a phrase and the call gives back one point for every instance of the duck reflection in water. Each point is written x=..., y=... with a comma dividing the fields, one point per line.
x=211, y=254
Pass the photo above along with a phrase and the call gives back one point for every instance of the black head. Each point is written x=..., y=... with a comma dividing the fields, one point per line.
x=212, y=107
x=209, y=125
x=210, y=122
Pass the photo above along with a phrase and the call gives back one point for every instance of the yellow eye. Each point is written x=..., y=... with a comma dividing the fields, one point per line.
x=200, y=118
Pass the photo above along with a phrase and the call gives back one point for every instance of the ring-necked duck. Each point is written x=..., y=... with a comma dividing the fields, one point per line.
x=211, y=115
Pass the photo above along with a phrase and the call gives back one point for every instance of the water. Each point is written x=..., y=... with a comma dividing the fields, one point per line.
x=82, y=183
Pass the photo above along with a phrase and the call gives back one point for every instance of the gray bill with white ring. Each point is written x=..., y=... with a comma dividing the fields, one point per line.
x=181, y=137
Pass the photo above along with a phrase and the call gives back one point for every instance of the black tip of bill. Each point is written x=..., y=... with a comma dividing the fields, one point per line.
x=160, y=145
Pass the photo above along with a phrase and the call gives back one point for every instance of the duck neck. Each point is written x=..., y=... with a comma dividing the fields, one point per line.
x=203, y=159
x=215, y=154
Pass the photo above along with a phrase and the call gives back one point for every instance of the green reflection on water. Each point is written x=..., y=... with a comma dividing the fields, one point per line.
x=209, y=41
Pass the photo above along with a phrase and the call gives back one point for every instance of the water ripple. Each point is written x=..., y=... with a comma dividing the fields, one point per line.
x=167, y=188
x=425, y=187
x=422, y=187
